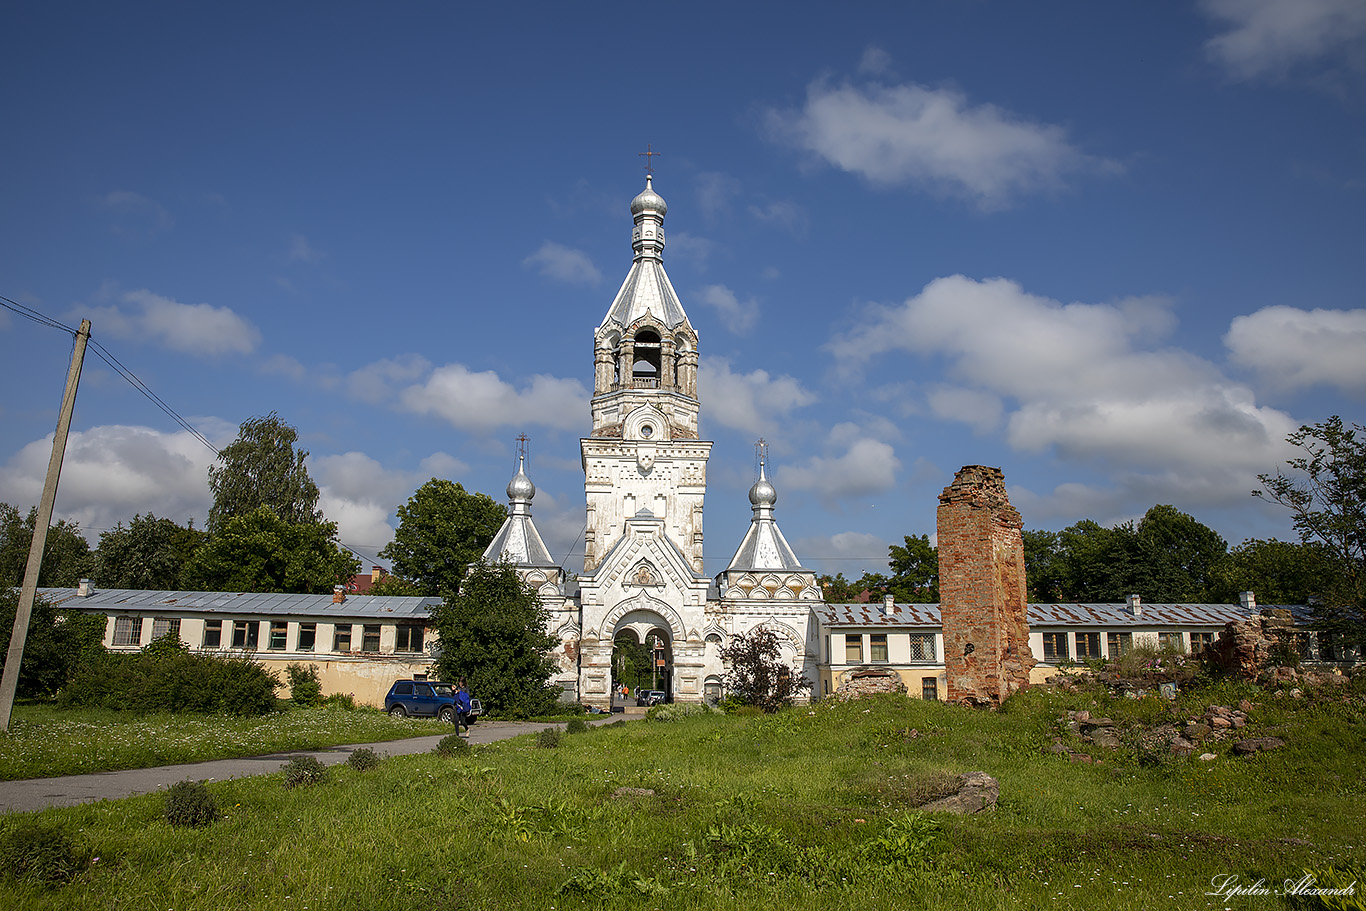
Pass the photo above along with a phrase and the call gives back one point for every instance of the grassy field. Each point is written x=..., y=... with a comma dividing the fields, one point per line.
x=809, y=808
x=44, y=741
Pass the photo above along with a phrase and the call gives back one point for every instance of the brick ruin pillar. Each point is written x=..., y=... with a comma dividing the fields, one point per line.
x=982, y=589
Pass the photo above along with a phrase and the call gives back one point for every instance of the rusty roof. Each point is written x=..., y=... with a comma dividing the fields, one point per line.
x=123, y=601
x=928, y=615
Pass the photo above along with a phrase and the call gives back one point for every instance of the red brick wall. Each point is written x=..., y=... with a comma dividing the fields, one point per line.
x=982, y=588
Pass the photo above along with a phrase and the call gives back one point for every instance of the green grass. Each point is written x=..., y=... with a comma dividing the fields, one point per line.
x=44, y=741
x=804, y=809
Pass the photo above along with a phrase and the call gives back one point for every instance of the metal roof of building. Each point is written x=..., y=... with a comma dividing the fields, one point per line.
x=241, y=603
x=874, y=613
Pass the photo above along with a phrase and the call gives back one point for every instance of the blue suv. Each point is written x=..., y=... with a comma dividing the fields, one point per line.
x=427, y=698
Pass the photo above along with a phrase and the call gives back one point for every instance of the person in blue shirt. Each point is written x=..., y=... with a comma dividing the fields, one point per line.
x=462, y=709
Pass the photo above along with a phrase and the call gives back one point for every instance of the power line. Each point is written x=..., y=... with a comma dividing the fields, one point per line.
x=30, y=313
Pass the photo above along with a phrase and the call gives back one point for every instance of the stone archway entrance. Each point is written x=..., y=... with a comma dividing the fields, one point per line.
x=642, y=654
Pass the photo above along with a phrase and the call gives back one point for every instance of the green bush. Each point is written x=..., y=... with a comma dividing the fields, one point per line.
x=40, y=855
x=576, y=726
x=451, y=745
x=189, y=804
x=304, y=771
x=304, y=686
x=341, y=701
x=548, y=739
x=363, y=760
x=173, y=681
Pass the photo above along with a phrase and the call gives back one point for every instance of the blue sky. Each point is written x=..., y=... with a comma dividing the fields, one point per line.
x=1115, y=249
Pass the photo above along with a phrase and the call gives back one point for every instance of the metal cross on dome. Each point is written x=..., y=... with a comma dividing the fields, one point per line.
x=647, y=155
x=522, y=439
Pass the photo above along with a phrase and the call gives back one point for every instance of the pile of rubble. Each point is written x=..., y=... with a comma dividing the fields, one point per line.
x=870, y=682
x=1217, y=723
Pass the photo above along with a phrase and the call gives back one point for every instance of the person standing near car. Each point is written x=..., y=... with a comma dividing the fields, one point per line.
x=462, y=709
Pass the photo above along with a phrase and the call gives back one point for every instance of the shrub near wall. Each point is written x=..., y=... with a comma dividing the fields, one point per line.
x=174, y=682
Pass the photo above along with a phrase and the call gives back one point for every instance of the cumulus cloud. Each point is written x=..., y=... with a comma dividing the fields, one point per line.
x=377, y=382
x=977, y=408
x=1295, y=348
x=852, y=553
x=691, y=248
x=875, y=62
x=201, y=329
x=935, y=139
x=480, y=401
x=737, y=316
x=563, y=264
x=864, y=467
x=715, y=192
x=111, y=472
x=1273, y=37
x=753, y=402
x=1085, y=381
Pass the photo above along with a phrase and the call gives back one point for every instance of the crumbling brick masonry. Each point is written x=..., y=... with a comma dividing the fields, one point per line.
x=982, y=589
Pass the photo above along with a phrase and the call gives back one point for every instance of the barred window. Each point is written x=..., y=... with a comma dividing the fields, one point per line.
x=929, y=688
x=127, y=630
x=1120, y=643
x=877, y=647
x=162, y=627
x=409, y=638
x=213, y=633
x=1088, y=645
x=308, y=634
x=1054, y=646
x=922, y=646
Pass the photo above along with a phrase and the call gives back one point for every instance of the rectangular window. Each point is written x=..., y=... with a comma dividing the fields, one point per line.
x=1054, y=646
x=213, y=633
x=1120, y=643
x=877, y=647
x=246, y=634
x=370, y=639
x=1327, y=647
x=1171, y=640
x=1301, y=644
x=162, y=627
x=922, y=646
x=929, y=688
x=1088, y=645
x=853, y=649
x=409, y=638
x=308, y=634
x=341, y=641
x=1201, y=641
x=279, y=635
x=127, y=630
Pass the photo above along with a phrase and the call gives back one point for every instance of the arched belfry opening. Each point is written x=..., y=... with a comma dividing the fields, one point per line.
x=646, y=357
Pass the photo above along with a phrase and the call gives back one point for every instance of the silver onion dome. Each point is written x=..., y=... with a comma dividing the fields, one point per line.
x=649, y=200
x=762, y=493
x=520, y=487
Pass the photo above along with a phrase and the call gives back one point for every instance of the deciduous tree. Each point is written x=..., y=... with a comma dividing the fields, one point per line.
x=756, y=676
x=58, y=643
x=1326, y=495
x=150, y=554
x=915, y=571
x=262, y=468
x=260, y=552
x=492, y=634
x=442, y=529
x=66, y=554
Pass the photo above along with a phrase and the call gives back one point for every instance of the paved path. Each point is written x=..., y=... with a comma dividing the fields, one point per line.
x=40, y=793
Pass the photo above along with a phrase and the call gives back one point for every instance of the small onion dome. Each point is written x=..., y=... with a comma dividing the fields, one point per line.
x=762, y=493
x=649, y=200
x=520, y=487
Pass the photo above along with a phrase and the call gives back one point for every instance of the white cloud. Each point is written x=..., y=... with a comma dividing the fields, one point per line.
x=737, y=316
x=715, y=192
x=563, y=264
x=1272, y=37
x=482, y=401
x=200, y=329
x=852, y=553
x=375, y=382
x=977, y=408
x=300, y=250
x=875, y=62
x=1084, y=381
x=690, y=248
x=931, y=138
x=112, y=472
x=866, y=467
x=1296, y=348
x=753, y=402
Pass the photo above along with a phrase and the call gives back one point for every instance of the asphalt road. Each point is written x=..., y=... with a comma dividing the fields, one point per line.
x=32, y=794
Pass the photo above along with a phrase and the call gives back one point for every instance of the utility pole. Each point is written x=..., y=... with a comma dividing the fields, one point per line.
x=9, y=681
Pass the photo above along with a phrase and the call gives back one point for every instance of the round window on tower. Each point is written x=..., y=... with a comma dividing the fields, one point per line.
x=647, y=430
